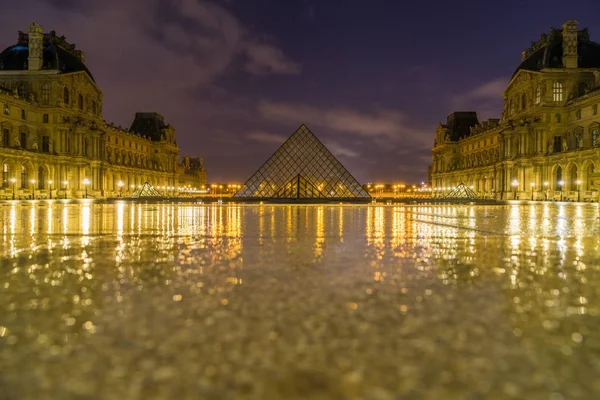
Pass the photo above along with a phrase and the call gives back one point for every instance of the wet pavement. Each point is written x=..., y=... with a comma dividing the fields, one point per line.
x=162, y=301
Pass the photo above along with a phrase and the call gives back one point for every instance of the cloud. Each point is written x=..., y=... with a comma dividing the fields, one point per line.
x=264, y=59
x=486, y=99
x=381, y=123
x=340, y=151
x=265, y=137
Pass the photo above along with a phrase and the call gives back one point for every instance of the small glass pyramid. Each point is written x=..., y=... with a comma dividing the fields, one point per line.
x=146, y=190
x=462, y=191
x=302, y=168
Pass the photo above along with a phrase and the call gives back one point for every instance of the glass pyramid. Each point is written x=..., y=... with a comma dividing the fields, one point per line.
x=147, y=190
x=302, y=168
x=462, y=191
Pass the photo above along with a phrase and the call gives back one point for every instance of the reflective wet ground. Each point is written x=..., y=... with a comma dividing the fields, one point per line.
x=147, y=301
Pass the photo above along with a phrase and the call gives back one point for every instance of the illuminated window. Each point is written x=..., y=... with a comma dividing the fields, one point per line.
x=23, y=177
x=22, y=90
x=6, y=109
x=45, y=93
x=538, y=94
x=596, y=136
x=557, y=91
x=5, y=172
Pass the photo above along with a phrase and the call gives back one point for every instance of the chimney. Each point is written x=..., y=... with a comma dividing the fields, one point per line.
x=36, y=48
x=569, y=33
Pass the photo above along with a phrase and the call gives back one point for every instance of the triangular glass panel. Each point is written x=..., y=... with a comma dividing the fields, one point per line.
x=146, y=190
x=302, y=168
x=462, y=191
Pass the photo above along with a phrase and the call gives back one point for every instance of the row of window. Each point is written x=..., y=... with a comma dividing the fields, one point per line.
x=477, y=145
x=129, y=144
x=45, y=117
x=41, y=181
x=23, y=92
x=92, y=105
x=21, y=141
x=557, y=95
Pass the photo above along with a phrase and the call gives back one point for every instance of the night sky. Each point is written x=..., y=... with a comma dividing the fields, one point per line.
x=370, y=78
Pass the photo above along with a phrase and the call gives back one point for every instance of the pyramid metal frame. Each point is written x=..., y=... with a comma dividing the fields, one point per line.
x=462, y=191
x=147, y=190
x=302, y=168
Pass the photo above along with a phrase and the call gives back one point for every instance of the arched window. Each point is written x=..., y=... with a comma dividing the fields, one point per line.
x=23, y=176
x=22, y=90
x=45, y=93
x=557, y=91
x=582, y=88
x=589, y=174
x=573, y=178
x=66, y=95
x=41, y=178
x=558, y=183
x=538, y=94
x=523, y=101
x=80, y=101
x=5, y=178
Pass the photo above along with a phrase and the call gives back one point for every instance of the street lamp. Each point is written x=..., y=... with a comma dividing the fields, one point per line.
x=50, y=188
x=532, y=186
x=578, y=192
x=515, y=183
x=561, y=183
x=120, y=184
x=33, y=189
x=546, y=190
x=13, y=181
x=66, y=184
x=86, y=182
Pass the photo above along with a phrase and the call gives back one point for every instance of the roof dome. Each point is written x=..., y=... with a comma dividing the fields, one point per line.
x=548, y=52
x=57, y=55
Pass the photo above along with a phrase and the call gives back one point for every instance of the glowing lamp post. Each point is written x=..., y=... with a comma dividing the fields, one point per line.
x=120, y=185
x=50, y=188
x=515, y=184
x=532, y=186
x=33, y=189
x=546, y=190
x=13, y=181
x=86, y=182
x=561, y=184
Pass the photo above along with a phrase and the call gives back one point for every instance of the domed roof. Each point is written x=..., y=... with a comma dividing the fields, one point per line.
x=548, y=52
x=57, y=55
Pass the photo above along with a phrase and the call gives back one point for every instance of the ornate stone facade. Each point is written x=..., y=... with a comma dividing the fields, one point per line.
x=547, y=143
x=192, y=174
x=54, y=141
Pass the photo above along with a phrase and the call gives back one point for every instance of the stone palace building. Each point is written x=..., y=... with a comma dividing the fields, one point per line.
x=546, y=145
x=53, y=139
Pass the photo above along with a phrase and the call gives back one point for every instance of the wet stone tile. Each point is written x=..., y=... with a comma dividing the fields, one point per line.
x=146, y=301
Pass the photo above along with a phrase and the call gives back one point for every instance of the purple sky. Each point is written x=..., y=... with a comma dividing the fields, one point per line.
x=370, y=78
